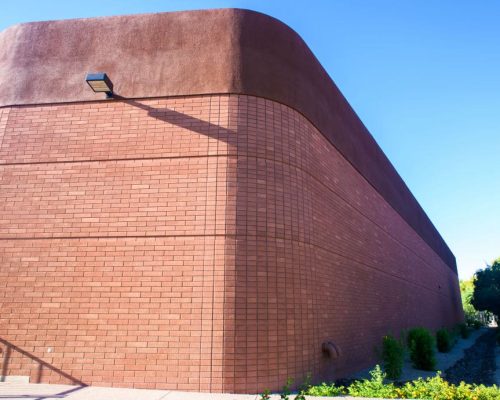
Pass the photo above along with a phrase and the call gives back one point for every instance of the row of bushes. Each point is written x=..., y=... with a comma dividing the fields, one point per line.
x=435, y=388
x=421, y=344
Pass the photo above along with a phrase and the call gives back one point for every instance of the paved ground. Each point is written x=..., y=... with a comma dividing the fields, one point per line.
x=31, y=391
x=18, y=391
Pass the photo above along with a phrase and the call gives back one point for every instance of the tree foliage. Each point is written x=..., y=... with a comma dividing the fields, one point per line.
x=486, y=296
x=467, y=290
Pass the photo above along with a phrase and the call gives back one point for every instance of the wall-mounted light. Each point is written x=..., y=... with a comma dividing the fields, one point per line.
x=100, y=83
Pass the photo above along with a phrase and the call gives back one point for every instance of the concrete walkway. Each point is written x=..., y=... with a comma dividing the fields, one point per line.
x=18, y=391
x=32, y=391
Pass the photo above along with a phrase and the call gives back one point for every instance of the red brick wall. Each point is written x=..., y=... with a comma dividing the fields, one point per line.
x=198, y=243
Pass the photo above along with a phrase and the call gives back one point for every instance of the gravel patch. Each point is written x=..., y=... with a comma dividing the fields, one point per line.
x=444, y=361
x=497, y=372
x=478, y=364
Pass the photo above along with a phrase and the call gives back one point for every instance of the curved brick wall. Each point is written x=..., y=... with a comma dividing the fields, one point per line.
x=201, y=243
x=320, y=254
x=206, y=242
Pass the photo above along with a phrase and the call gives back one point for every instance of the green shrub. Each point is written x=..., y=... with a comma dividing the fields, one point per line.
x=303, y=389
x=300, y=396
x=464, y=330
x=421, y=345
x=326, y=390
x=374, y=387
x=266, y=395
x=478, y=321
x=444, y=340
x=476, y=324
x=392, y=356
x=434, y=388
x=285, y=391
x=437, y=388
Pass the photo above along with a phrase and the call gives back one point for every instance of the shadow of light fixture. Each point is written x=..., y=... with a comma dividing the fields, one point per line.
x=100, y=83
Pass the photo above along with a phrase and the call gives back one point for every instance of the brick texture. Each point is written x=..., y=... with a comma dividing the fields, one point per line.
x=205, y=243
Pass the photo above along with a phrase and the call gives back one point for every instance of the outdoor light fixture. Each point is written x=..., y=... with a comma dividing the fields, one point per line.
x=100, y=83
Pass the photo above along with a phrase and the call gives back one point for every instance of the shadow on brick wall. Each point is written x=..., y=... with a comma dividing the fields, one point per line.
x=180, y=119
x=7, y=353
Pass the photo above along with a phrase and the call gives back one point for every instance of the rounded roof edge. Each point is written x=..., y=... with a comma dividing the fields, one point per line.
x=193, y=53
x=146, y=55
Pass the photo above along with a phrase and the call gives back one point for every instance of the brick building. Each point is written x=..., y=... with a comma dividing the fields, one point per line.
x=213, y=226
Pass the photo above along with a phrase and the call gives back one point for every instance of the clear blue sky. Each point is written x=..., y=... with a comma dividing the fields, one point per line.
x=424, y=76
